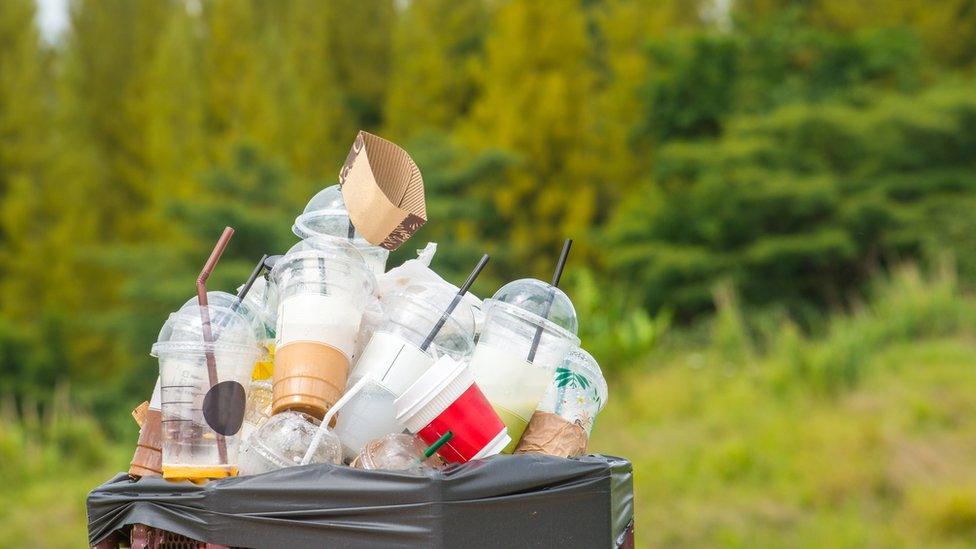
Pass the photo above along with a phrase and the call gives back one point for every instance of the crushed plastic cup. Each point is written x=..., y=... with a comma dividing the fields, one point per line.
x=516, y=321
x=395, y=452
x=326, y=215
x=394, y=360
x=446, y=398
x=322, y=286
x=258, y=408
x=283, y=441
x=198, y=418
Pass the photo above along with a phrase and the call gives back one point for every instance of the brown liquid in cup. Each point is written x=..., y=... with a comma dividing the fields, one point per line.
x=309, y=377
x=148, y=458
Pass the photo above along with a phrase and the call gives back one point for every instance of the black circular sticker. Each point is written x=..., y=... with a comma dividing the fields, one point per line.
x=223, y=407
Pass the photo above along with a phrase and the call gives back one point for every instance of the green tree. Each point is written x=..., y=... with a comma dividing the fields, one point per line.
x=432, y=85
x=25, y=117
x=536, y=101
x=360, y=45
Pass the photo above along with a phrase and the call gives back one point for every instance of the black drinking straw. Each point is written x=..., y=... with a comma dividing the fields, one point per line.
x=454, y=302
x=250, y=282
x=552, y=295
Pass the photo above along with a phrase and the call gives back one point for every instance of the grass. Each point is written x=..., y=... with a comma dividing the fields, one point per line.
x=751, y=435
x=862, y=437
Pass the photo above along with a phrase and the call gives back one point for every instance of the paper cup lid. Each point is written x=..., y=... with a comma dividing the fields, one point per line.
x=531, y=295
x=183, y=332
x=444, y=381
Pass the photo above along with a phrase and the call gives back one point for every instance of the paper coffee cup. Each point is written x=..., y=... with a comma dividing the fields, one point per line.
x=446, y=398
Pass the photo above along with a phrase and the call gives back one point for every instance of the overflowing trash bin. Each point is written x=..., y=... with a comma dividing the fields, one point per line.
x=330, y=402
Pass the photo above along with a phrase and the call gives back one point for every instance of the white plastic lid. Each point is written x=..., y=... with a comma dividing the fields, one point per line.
x=432, y=393
x=531, y=296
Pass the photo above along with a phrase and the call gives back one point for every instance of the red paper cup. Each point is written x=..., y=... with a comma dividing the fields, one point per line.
x=446, y=398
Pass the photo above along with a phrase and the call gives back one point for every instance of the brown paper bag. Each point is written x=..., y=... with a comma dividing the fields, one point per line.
x=383, y=191
x=550, y=434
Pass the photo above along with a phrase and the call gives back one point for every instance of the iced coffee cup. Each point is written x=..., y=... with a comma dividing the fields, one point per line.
x=322, y=285
x=522, y=342
x=395, y=359
x=201, y=420
x=562, y=424
x=446, y=398
x=326, y=215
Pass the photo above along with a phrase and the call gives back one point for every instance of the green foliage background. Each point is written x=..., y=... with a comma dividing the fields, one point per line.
x=743, y=180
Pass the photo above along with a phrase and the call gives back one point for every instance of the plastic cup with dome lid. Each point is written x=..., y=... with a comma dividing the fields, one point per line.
x=326, y=215
x=523, y=315
x=195, y=415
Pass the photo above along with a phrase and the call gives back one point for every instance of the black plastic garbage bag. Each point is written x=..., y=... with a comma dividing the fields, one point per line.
x=504, y=501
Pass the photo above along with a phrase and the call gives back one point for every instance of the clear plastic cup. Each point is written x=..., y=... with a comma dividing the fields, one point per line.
x=258, y=408
x=578, y=391
x=283, y=441
x=253, y=310
x=326, y=215
x=394, y=360
x=521, y=344
x=400, y=452
x=201, y=424
x=322, y=286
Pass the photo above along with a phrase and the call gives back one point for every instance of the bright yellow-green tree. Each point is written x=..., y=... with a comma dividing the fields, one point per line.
x=360, y=42
x=24, y=149
x=432, y=85
x=536, y=101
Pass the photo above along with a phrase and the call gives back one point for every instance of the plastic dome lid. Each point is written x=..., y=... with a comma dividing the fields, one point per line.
x=183, y=332
x=529, y=295
x=227, y=301
x=583, y=363
x=331, y=250
x=437, y=297
x=325, y=214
